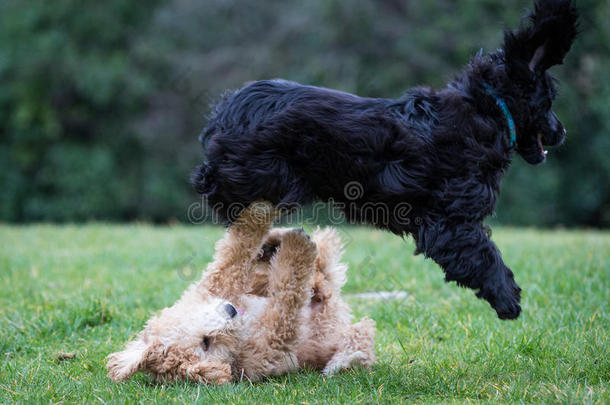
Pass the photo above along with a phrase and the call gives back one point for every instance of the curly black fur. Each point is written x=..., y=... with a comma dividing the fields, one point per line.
x=443, y=152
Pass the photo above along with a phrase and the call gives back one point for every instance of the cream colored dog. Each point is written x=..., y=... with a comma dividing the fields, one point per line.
x=268, y=304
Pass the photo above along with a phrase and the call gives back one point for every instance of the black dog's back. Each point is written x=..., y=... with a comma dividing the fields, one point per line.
x=290, y=144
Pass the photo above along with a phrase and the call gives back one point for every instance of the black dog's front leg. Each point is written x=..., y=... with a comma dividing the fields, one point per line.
x=470, y=258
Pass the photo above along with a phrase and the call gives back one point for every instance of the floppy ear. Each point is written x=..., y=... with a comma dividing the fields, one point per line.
x=544, y=41
x=122, y=365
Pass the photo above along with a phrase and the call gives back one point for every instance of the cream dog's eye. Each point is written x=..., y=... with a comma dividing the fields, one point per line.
x=205, y=344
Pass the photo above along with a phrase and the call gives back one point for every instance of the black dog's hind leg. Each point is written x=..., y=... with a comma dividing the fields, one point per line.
x=470, y=258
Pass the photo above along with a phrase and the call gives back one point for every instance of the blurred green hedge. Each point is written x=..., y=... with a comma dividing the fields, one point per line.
x=101, y=102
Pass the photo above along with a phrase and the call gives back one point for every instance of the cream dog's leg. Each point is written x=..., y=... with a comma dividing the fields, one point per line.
x=289, y=288
x=271, y=350
x=227, y=275
x=356, y=348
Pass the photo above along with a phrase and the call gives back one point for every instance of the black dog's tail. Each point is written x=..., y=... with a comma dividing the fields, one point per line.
x=202, y=179
x=203, y=175
x=205, y=181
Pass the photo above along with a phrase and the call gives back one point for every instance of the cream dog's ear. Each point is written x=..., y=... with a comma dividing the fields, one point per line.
x=122, y=365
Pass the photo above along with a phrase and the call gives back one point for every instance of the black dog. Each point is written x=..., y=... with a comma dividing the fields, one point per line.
x=442, y=152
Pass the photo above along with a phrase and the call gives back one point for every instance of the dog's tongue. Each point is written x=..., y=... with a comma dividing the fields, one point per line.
x=540, y=146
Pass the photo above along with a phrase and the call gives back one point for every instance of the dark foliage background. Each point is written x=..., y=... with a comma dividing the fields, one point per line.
x=101, y=103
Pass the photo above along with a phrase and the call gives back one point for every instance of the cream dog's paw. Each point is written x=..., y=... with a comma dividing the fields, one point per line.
x=298, y=243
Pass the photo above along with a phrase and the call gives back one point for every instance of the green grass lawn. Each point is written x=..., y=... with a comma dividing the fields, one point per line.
x=85, y=290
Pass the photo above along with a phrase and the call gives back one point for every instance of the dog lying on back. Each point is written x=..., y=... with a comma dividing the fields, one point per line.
x=428, y=164
x=269, y=303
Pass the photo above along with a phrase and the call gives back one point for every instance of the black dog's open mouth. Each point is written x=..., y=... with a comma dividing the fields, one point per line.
x=533, y=150
x=543, y=152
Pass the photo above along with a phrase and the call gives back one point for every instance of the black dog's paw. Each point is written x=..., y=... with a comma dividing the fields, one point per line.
x=503, y=294
x=508, y=308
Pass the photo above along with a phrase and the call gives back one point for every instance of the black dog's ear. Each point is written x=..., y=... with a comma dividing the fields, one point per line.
x=544, y=41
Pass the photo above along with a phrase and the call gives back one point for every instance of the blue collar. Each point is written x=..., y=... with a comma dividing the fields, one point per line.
x=509, y=118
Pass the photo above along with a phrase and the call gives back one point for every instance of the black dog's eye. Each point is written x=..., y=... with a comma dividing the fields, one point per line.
x=205, y=344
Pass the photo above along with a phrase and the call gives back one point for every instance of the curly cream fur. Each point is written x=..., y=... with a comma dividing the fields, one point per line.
x=286, y=287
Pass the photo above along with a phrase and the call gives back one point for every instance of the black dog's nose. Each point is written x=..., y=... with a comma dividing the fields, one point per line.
x=231, y=310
